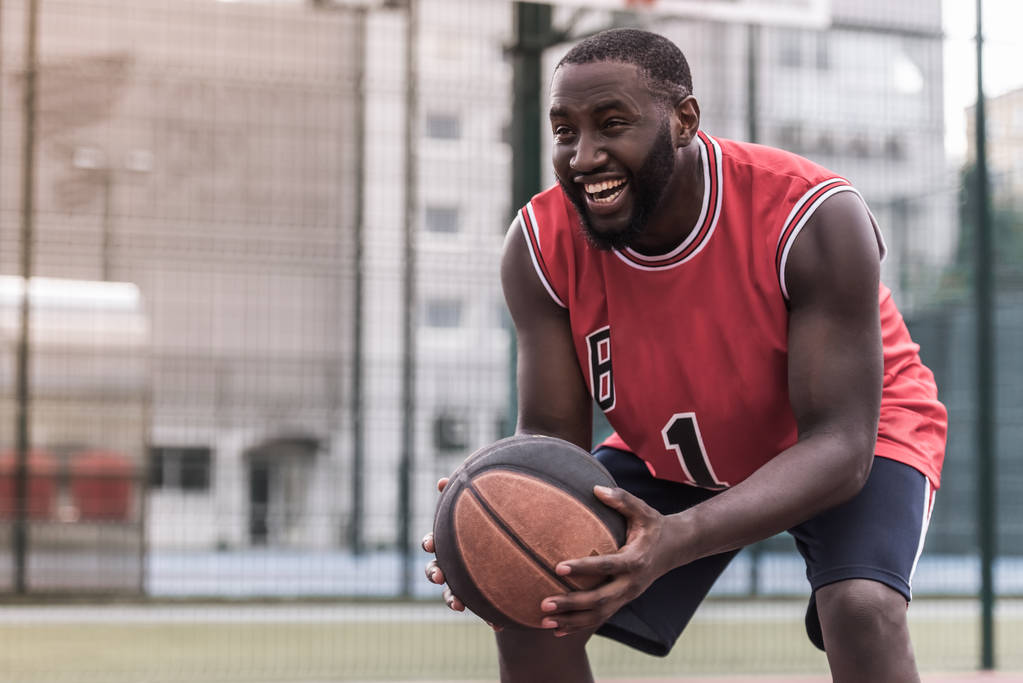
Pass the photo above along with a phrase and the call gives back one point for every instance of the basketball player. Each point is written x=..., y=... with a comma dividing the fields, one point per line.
x=721, y=303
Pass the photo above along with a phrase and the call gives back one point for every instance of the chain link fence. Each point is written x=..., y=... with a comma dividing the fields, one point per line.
x=264, y=315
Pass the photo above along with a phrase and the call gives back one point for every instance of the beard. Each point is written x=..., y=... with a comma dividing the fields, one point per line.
x=648, y=186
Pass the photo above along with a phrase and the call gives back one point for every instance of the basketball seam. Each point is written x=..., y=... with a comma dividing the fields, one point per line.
x=508, y=532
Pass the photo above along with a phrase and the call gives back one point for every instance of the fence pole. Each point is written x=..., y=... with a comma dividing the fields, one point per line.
x=355, y=535
x=532, y=36
x=408, y=381
x=23, y=440
x=983, y=293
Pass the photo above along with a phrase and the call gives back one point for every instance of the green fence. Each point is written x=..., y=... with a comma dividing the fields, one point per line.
x=265, y=315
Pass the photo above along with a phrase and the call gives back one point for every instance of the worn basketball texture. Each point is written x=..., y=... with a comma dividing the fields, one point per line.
x=510, y=513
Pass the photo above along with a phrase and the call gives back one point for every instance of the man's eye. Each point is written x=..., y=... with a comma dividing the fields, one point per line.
x=562, y=132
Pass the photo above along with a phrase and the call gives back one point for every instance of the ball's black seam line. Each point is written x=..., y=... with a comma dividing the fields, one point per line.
x=515, y=539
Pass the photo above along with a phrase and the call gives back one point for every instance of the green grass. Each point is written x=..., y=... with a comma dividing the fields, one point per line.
x=746, y=638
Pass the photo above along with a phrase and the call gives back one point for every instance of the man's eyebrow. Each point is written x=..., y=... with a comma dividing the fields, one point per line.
x=600, y=108
x=607, y=105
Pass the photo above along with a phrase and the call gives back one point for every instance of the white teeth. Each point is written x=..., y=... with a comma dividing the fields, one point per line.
x=608, y=199
x=593, y=188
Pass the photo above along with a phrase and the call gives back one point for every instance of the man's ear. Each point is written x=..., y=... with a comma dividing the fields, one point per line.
x=686, y=121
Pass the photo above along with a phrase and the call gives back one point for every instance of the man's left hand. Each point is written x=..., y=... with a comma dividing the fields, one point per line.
x=631, y=570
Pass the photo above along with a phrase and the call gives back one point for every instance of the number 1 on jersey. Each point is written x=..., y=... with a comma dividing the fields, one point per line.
x=682, y=435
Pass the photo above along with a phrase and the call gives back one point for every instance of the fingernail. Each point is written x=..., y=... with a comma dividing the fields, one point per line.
x=548, y=606
x=602, y=489
x=548, y=623
x=563, y=570
x=560, y=634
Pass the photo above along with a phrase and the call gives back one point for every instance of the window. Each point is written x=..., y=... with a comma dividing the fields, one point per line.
x=790, y=48
x=825, y=143
x=790, y=137
x=894, y=148
x=450, y=433
x=442, y=219
x=443, y=126
x=185, y=468
x=446, y=313
x=823, y=52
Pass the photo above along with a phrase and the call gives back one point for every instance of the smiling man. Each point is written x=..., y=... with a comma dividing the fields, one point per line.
x=721, y=303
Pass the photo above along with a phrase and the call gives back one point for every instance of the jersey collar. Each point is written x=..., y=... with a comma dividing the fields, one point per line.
x=710, y=154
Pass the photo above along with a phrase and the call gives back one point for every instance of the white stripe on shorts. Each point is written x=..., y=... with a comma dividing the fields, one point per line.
x=928, y=507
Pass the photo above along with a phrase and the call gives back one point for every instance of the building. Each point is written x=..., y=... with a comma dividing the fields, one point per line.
x=195, y=149
x=245, y=165
x=1004, y=115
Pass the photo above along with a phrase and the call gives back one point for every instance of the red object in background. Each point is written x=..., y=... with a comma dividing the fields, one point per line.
x=42, y=484
x=101, y=485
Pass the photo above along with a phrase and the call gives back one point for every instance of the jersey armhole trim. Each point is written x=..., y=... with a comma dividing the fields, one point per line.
x=527, y=223
x=800, y=215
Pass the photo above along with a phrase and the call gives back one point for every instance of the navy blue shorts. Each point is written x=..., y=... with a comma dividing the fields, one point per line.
x=877, y=535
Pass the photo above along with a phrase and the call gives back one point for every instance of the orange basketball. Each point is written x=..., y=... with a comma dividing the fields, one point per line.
x=510, y=513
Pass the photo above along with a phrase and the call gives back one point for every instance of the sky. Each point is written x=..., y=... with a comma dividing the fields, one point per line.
x=1003, y=59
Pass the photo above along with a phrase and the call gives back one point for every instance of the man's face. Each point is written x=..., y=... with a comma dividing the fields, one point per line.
x=613, y=153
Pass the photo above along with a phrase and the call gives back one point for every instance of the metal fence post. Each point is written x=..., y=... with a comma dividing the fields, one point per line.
x=983, y=293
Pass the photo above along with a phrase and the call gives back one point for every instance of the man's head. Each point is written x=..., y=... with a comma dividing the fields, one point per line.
x=621, y=106
x=661, y=63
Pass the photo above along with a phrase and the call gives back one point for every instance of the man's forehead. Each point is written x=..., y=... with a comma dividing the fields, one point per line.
x=598, y=84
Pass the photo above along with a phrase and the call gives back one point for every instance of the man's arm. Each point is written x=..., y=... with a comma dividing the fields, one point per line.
x=553, y=399
x=835, y=378
x=552, y=394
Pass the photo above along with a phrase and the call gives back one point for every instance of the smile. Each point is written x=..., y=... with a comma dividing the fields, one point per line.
x=605, y=192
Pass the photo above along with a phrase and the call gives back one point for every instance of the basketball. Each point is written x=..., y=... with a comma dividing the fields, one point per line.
x=510, y=513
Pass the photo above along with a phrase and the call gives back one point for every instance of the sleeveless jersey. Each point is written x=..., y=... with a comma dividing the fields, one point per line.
x=686, y=352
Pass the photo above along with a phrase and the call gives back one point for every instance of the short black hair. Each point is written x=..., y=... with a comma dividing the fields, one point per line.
x=659, y=59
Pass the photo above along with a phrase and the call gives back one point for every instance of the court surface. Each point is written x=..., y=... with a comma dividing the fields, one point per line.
x=730, y=641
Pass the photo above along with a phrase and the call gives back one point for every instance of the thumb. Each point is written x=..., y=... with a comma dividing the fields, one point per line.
x=617, y=498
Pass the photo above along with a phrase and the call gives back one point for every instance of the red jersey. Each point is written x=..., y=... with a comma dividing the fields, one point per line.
x=687, y=352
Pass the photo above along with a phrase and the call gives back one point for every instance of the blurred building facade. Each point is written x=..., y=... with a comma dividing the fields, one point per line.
x=1004, y=146
x=196, y=149
x=220, y=155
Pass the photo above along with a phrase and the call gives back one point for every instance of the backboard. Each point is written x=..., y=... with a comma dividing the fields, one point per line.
x=795, y=13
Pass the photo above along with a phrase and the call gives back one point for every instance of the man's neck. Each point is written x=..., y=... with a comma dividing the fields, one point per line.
x=680, y=207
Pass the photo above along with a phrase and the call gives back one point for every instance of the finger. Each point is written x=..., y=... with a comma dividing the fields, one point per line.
x=596, y=565
x=567, y=604
x=441, y=483
x=428, y=542
x=619, y=499
x=453, y=602
x=434, y=573
x=574, y=622
x=579, y=611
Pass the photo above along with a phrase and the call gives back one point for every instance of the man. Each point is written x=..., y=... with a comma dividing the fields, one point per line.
x=721, y=303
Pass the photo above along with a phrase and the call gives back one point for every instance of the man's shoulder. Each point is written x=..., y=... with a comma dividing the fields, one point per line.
x=764, y=160
x=549, y=208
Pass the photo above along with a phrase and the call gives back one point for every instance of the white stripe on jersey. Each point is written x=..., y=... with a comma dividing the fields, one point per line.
x=533, y=255
x=806, y=217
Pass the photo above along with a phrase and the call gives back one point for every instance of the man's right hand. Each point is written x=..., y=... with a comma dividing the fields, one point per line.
x=434, y=573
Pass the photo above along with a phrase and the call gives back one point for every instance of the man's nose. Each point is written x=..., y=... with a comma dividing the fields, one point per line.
x=589, y=155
